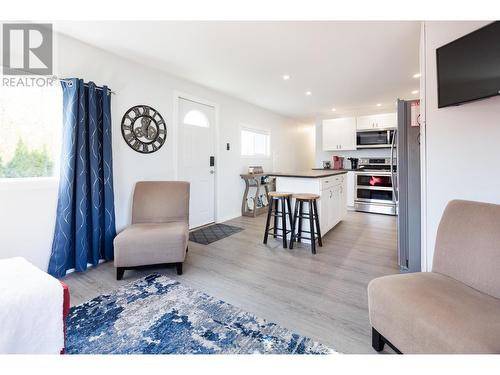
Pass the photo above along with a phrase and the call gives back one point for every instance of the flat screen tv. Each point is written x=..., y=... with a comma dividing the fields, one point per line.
x=469, y=68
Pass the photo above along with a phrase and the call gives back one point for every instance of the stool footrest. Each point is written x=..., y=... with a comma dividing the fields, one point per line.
x=305, y=216
x=305, y=238
x=279, y=214
x=305, y=231
x=276, y=235
x=279, y=229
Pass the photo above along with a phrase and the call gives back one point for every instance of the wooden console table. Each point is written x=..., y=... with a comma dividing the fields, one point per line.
x=254, y=180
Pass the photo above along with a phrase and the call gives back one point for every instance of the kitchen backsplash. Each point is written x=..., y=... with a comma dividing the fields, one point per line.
x=328, y=155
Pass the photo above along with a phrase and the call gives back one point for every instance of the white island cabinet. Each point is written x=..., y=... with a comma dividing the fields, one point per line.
x=329, y=185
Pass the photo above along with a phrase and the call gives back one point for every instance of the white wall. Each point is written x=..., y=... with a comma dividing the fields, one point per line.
x=136, y=84
x=463, y=143
x=27, y=218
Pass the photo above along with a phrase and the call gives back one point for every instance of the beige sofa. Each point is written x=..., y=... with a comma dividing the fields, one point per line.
x=160, y=227
x=456, y=307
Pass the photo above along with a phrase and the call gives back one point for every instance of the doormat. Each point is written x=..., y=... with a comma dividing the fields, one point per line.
x=213, y=233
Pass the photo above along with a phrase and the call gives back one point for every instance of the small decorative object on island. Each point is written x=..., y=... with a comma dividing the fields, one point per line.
x=144, y=129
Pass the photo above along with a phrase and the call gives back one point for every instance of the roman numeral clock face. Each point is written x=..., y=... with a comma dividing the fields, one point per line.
x=144, y=129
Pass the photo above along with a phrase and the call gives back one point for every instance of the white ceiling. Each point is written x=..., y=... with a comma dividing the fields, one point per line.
x=350, y=66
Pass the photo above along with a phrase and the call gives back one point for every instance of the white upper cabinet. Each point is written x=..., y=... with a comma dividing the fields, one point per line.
x=380, y=121
x=339, y=134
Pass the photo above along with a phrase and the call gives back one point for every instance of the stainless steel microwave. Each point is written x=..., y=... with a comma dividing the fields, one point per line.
x=380, y=138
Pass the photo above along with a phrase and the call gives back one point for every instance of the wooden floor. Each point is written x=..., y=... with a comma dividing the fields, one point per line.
x=322, y=296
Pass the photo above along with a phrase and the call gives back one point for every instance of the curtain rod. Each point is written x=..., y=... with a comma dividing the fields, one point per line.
x=85, y=84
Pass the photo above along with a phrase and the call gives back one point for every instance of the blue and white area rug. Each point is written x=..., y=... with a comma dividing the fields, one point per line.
x=158, y=315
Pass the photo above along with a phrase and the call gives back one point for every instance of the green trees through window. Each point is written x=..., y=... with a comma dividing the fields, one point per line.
x=27, y=163
x=30, y=131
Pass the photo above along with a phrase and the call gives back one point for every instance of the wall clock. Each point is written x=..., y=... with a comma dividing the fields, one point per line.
x=144, y=129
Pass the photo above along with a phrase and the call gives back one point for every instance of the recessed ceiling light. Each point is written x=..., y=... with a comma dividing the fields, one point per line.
x=417, y=75
x=286, y=77
x=414, y=92
x=308, y=93
x=379, y=105
x=334, y=109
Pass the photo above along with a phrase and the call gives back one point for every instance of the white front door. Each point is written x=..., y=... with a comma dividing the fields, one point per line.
x=195, y=159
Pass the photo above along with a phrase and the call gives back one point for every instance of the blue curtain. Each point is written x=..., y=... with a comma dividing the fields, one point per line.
x=85, y=223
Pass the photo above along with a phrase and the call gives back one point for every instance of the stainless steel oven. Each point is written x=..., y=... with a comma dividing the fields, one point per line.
x=380, y=138
x=374, y=186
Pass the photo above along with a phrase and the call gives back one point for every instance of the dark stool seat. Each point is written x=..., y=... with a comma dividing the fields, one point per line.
x=276, y=199
x=311, y=215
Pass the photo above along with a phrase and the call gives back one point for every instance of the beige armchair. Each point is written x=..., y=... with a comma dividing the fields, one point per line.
x=160, y=227
x=456, y=307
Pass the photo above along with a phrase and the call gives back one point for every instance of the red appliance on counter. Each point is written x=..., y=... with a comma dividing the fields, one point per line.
x=338, y=162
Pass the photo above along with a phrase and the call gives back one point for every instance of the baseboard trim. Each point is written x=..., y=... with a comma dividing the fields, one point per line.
x=89, y=265
x=227, y=217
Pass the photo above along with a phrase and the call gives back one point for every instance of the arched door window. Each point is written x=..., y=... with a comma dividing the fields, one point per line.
x=196, y=118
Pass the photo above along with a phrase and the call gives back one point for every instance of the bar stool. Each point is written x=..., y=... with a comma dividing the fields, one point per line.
x=275, y=198
x=311, y=215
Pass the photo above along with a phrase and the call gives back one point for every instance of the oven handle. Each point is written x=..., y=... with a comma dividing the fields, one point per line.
x=379, y=188
x=393, y=180
x=373, y=173
x=381, y=201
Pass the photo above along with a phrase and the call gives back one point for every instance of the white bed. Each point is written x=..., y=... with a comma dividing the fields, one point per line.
x=31, y=309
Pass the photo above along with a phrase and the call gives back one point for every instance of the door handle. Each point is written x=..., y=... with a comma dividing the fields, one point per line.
x=212, y=171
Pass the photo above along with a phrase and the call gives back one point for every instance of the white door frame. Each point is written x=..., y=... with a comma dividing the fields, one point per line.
x=425, y=261
x=175, y=136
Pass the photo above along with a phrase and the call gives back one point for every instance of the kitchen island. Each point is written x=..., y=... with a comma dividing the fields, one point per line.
x=330, y=185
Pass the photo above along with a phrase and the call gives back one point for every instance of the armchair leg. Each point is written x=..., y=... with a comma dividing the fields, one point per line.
x=179, y=268
x=377, y=340
x=119, y=273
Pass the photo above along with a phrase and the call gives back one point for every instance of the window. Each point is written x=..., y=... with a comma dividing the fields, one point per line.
x=30, y=131
x=255, y=143
x=196, y=118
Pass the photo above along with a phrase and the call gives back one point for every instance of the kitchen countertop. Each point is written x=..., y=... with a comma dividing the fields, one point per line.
x=310, y=174
x=331, y=169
